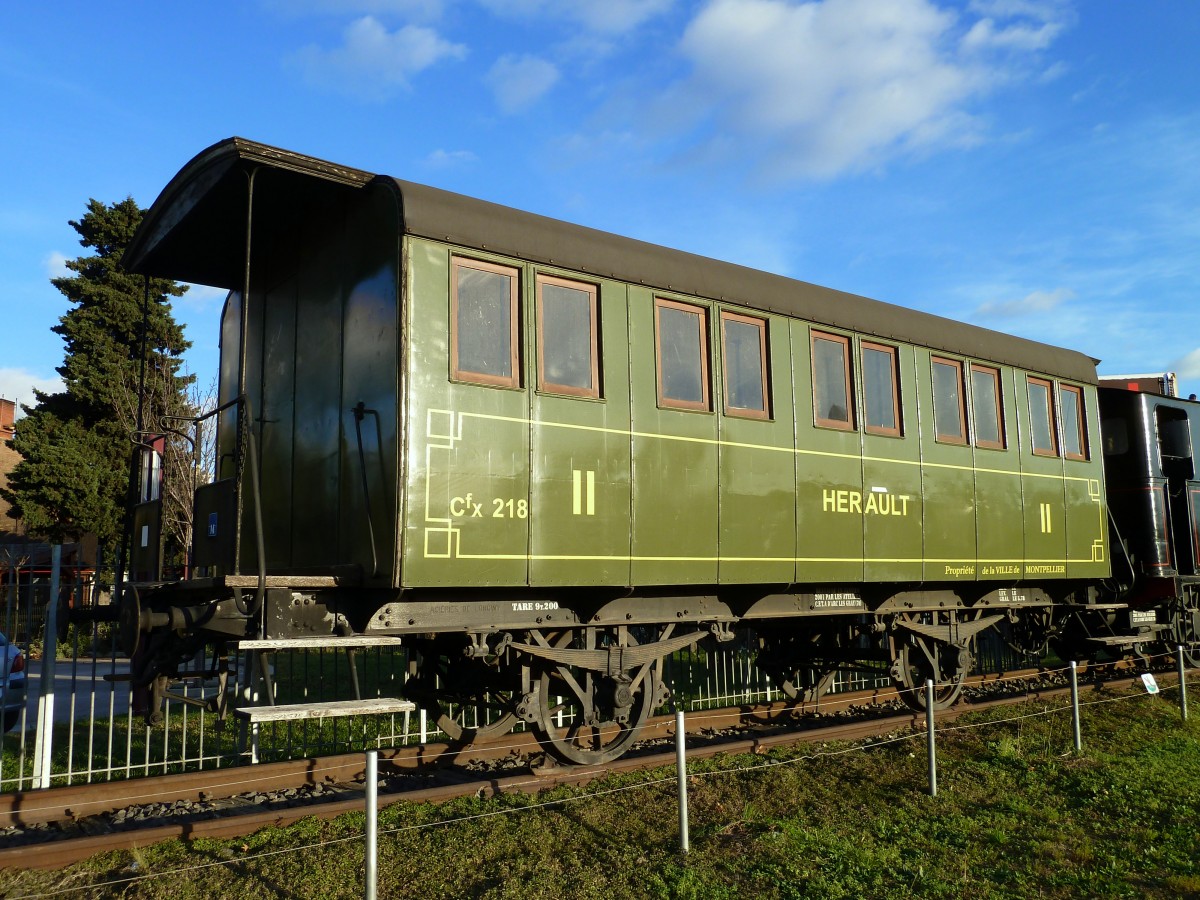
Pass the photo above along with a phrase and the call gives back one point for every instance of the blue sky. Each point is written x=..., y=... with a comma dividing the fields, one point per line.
x=1031, y=166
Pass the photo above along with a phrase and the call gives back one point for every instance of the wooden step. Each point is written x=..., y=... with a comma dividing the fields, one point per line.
x=330, y=641
x=299, y=711
x=1120, y=640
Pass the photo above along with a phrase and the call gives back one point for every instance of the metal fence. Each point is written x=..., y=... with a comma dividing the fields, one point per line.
x=78, y=719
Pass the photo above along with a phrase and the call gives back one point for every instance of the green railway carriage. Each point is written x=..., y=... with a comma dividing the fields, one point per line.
x=490, y=430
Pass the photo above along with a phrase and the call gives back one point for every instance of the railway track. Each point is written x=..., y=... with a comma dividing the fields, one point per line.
x=70, y=824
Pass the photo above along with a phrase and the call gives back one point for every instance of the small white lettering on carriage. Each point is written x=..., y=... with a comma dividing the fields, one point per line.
x=534, y=605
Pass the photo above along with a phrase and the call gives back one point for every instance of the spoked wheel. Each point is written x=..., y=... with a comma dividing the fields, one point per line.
x=934, y=646
x=470, y=700
x=587, y=713
x=920, y=659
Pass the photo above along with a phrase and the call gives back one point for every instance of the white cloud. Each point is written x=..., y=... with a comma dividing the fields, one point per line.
x=815, y=89
x=1041, y=10
x=985, y=34
x=519, y=81
x=444, y=159
x=409, y=9
x=1033, y=303
x=1187, y=366
x=55, y=265
x=203, y=297
x=18, y=384
x=836, y=83
x=373, y=63
x=606, y=16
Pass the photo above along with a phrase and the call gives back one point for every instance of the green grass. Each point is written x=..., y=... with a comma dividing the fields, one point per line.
x=1018, y=815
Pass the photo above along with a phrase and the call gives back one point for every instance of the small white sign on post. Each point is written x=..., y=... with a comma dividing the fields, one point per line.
x=1150, y=683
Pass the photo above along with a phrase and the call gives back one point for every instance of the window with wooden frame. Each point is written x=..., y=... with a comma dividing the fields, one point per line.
x=881, y=389
x=949, y=402
x=744, y=357
x=681, y=350
x=567, y=337
x=1041, y=416
x=987, y=403
x=833, y=402
x=1074, y=425
x=484, y=323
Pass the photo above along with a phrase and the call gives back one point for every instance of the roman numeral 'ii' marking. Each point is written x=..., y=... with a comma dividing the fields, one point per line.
x=577, y=500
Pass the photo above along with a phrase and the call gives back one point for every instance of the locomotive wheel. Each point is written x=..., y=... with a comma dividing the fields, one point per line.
x=464, y=697
x=588, y=717
x=920, y=659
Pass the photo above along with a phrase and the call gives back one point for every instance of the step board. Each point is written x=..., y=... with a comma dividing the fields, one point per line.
x=329, y=641
x=1120, y=640
x=299, y=711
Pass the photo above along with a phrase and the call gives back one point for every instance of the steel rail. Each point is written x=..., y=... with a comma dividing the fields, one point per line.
x=349, y=767
x=75, y=802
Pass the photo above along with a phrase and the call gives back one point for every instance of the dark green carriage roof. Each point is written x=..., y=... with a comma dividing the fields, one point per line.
x=195, y=231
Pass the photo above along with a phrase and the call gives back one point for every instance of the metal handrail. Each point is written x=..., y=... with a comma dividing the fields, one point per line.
x=243, y=403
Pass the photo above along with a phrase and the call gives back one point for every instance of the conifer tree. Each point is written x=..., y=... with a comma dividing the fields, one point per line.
x=76, y=444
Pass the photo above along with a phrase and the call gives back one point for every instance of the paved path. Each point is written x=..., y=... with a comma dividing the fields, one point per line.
x=88, y=684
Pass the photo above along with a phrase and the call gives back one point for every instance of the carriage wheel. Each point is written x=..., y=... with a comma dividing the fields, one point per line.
x=920, y=659
x=468, y=699
x=589, y=717
x=919, y=655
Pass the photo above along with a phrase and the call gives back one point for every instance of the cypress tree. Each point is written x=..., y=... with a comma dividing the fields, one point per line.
x=76, y=444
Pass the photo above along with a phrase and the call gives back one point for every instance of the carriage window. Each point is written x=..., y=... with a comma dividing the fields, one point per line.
x=832, y=403
x=744, y=353
x=987, y=408
x=1074, y=437
x=1041, y=417
x=568, y=361
x=949, y=408
x=681, y=336
x=483, y=323
x=881, y=389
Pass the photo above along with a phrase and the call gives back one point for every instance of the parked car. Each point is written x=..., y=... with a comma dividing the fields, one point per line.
x=12, y=682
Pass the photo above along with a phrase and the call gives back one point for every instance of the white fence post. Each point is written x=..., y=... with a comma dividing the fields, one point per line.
x=1075, y=707
x=931, y=737
x=43, y=751
x=1182, y=681
x=681, y=765
x=372, y=856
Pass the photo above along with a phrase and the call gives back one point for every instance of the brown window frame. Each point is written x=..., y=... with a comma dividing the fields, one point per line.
x=704, y=405
x=849, y=423
x=964, y=437
x=1051, y=411
x=1081, y=422
x=456, y=372
x=1001, y=444
x=594, y=296
x=894, y=353
x=763, y=343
